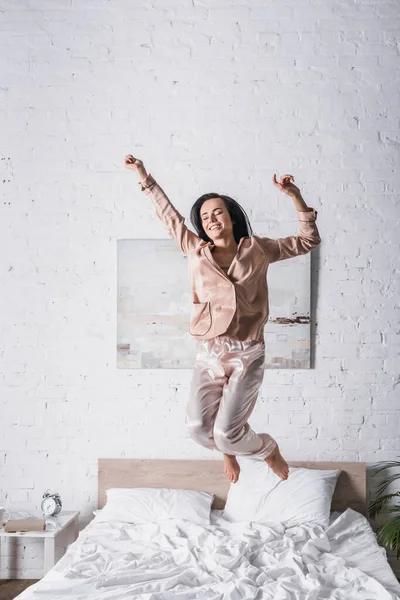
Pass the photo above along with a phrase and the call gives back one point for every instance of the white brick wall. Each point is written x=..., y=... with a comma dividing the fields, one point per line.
x=212, y=96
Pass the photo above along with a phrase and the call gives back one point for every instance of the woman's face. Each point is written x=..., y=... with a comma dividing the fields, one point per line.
x=216, y=219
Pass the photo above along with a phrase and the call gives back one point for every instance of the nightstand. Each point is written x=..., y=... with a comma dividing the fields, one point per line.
x=67, y=520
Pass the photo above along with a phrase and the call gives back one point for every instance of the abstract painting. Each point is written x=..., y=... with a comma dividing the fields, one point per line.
x=154, y=303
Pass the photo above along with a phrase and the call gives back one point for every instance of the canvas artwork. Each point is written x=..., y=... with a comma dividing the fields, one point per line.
x=154, y=303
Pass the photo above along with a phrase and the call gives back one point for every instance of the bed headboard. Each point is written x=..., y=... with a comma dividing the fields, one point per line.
x=208, y=476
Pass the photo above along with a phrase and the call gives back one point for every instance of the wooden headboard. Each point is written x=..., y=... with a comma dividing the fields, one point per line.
x=208, y=476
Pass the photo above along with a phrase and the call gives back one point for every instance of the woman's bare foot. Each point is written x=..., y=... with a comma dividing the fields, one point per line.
x=231, y=467
x=278, y=464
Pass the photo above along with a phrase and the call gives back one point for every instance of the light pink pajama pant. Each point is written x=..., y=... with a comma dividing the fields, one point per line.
x=226, y=380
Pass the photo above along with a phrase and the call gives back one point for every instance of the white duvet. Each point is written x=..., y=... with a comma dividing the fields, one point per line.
x=235, y=561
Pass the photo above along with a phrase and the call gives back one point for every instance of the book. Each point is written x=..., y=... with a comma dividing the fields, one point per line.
x=14, y=525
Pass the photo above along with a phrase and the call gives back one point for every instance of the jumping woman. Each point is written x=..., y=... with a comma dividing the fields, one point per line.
x=228, y=278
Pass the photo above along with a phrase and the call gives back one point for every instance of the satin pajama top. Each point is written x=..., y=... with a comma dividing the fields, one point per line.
x=232, y=302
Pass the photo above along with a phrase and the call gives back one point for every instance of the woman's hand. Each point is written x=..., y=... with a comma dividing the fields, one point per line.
x=285, y=185
x=135, y=164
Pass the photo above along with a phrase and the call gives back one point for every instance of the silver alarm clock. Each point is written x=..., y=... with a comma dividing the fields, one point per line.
x=51, y=504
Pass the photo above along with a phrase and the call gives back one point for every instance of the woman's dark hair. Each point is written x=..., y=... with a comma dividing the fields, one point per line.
x=239, y=218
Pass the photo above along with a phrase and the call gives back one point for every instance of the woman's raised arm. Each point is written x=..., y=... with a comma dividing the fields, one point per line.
x=293, y=245
x=174, y=221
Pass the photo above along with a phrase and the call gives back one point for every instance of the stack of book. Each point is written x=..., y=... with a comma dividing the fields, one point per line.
x=14, y=525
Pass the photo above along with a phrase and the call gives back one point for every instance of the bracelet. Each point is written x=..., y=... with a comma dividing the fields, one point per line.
x=151, y=179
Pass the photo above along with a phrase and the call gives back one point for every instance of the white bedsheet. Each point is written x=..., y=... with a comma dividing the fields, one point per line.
x=235, y=561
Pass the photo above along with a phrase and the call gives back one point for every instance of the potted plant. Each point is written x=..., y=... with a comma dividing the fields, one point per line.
x=388, y=534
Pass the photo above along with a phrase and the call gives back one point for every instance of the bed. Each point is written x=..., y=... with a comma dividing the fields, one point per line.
x=179, y=559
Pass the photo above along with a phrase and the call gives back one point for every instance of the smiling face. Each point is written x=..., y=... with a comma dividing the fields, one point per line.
x=216, y=219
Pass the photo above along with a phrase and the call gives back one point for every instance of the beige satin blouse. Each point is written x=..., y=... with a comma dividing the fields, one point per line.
x=232, y=302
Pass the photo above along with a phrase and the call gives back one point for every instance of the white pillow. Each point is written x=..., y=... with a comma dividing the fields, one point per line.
x=143, y=505
x=262, y=496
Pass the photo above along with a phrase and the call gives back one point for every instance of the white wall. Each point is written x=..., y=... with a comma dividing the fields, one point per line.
x=211, y=99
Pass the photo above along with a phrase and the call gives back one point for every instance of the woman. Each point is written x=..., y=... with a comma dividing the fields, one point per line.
x=228, y=267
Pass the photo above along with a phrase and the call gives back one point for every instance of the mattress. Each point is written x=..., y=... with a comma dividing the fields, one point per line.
x=232, y=561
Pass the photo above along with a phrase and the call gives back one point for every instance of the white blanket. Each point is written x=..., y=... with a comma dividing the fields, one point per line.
x=235, y=561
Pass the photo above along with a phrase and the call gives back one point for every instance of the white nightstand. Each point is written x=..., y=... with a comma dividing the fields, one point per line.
x=68, y=521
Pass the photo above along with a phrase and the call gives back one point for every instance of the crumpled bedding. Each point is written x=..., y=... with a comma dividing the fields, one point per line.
x=232, y=561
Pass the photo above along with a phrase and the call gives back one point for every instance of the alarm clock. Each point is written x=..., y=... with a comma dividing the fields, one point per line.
x=51, y=504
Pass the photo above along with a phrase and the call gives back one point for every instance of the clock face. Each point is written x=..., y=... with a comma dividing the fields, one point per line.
x=49, y=506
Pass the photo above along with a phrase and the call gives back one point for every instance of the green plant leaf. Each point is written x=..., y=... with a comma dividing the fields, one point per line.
x=386, y=482
x=377, y=505
x=395, y=508
x=386, y=465
x=389, y=534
